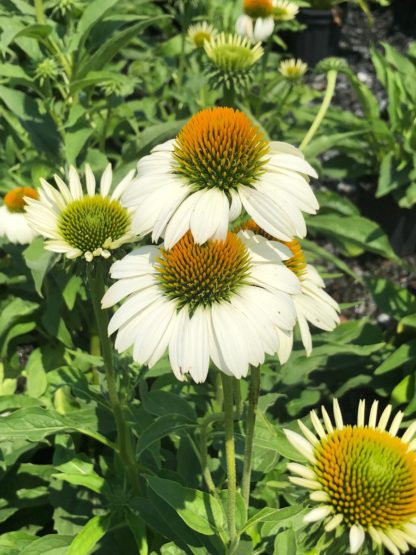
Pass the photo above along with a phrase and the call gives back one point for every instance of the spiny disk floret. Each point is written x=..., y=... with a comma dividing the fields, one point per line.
x=195, y=275
x=221, y=148
x=15, y=199
x=89, y=223
x=258, y=8
x=369, y=476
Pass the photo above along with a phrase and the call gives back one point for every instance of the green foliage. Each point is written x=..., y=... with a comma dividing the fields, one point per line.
x=109, y=80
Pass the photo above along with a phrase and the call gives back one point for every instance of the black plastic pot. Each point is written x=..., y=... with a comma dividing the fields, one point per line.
x=320, y=38
x=404, y=16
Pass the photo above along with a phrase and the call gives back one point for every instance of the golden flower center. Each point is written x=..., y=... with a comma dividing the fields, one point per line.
x=297, y=263
x=197, y=275
x=221, y=148
x=14, y=200
x=258, y=8
x=369, y=475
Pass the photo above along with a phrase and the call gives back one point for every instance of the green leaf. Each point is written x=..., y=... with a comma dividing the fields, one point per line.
x=391, y=298
x=94, y=12
x=112, y=46
x=267, y=514
x=409, y=321
x=138, y=529
x=48, y=545
x=35, y=424
x=75, y=139
x=12, y=543
x=93, y=481
x=35, y=31
x=13, y=71
x=404, y=391
x=15, y=310
x=90, y=535
x=40, y=127
x=162, y=427
x=361, y=232
x=39, y=261
x=37, y=381
x=199, y=510
x=403, y=354
x=285, y=543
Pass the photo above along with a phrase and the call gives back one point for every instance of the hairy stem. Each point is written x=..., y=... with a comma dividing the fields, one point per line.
x=227, y=384
x=124, y=440
x=253, y=400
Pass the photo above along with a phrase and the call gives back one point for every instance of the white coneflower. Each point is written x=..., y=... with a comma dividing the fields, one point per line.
x=362, y=476
x=82, y=224
x=222, y=301
x=219, y=163
x=201, y=32
x=232, y=53
x=256, y=23
x=293, y=69
x=312, y=303
x=284, y=10
x=13, y=223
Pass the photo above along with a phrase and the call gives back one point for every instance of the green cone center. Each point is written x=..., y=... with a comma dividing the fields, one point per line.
x=88, y=223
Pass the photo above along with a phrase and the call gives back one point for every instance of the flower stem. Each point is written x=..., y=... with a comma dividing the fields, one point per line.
x=250, y=427
x=227, y=384
x=40, y=14
x=228, y=98
x=329, y=93
x=96, y=281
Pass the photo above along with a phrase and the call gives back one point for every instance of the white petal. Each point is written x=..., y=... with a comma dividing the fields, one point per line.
x=197, y=345
x=291, y=162
x=106, y=180
x=357, y=537
x=372, y=421
x=90, y=180
x=361, y=413
x=267, y=214
x=320, y=513
x=302, y=470
x=337, y=415
x=334, y=522
x=236, y=206
x=75, y=183
x=384, y=418
x=180, y=221
x=395, y=425
x=210, y=212
x=263, y=28
x=122, y=186
x=301, y=444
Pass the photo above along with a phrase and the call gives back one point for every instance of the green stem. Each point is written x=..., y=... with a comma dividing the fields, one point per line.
x=228, y=98
x=203, y=448
x=285, y=97
x=253, y=400
x=329, y=93
x=40, y=14
x=227, y=384
x=96, y=281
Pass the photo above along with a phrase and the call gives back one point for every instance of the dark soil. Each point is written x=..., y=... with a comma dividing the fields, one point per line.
x=357, y=37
